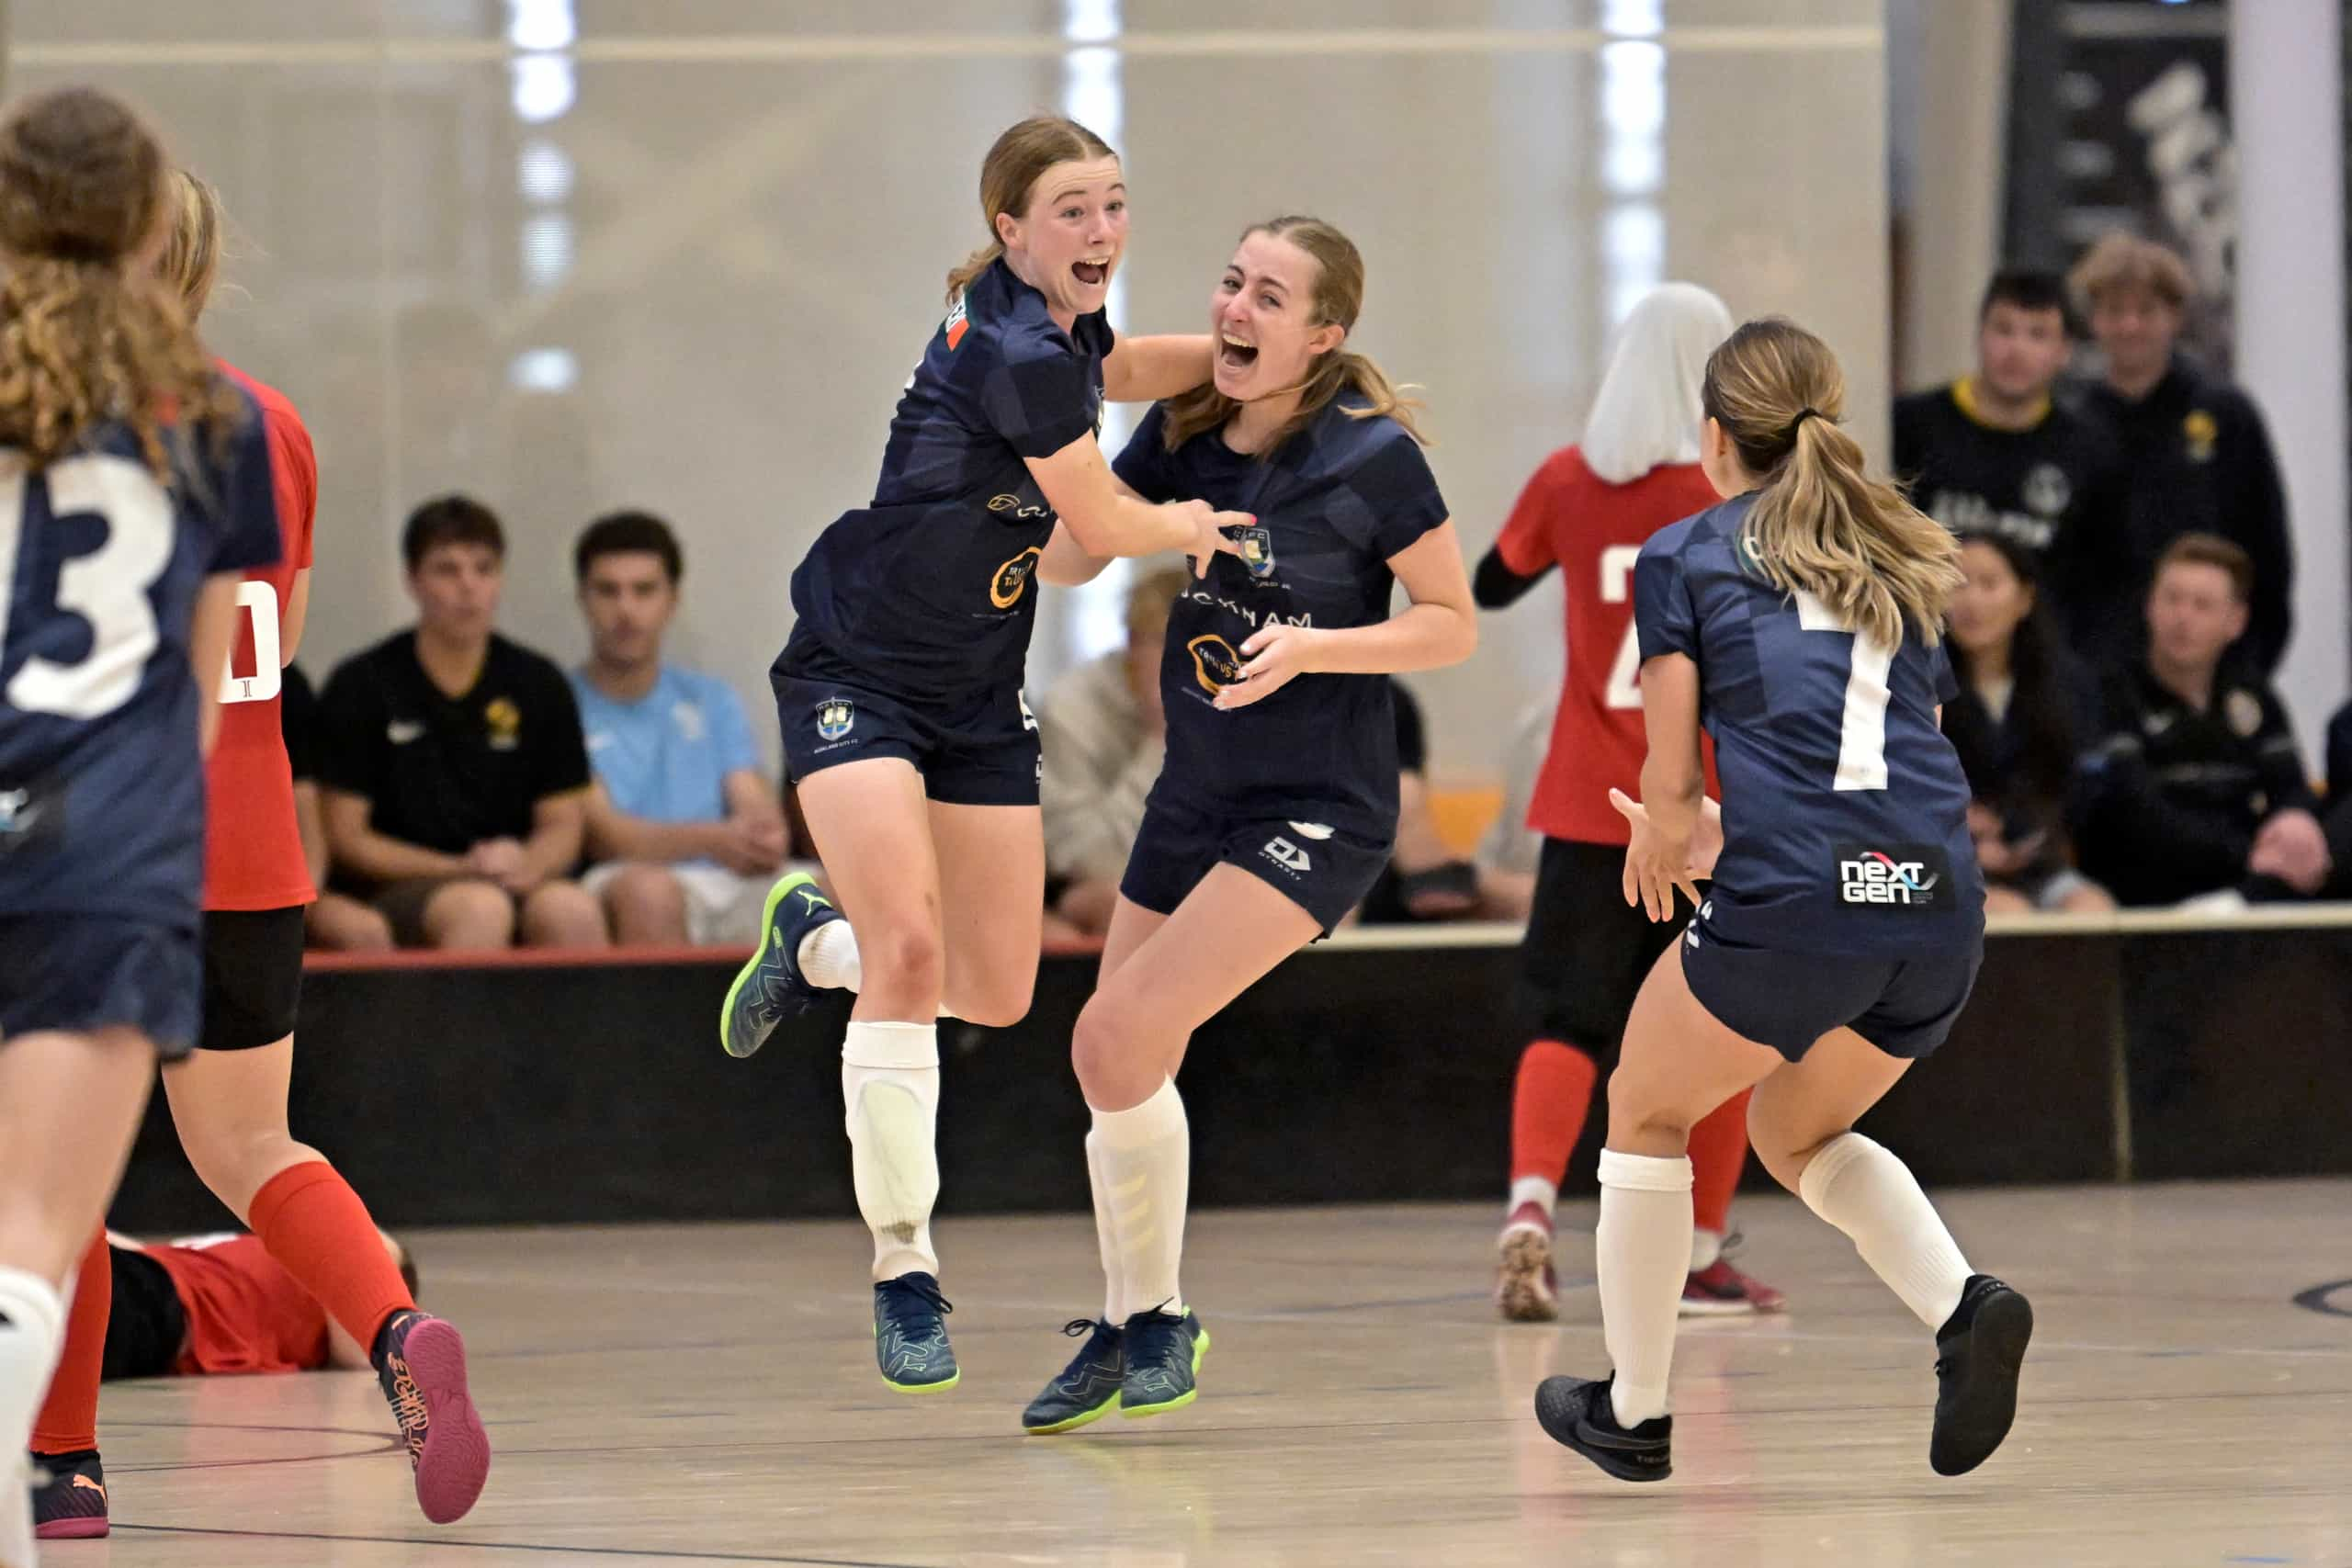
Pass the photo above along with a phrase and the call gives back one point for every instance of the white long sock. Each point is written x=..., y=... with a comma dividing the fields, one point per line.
x=828, y=957
x=1864, y=1190
x=1643, y=1254
x=30, y=1343
x=1532, y=1189
x=890, y=1089
x=1148, y=1177
x=1106, y=1235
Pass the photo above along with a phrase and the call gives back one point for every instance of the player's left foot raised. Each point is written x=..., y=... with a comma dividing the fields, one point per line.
x=422, y=1369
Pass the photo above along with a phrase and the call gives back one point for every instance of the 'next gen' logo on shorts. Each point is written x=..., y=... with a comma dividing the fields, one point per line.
x=1902, y=877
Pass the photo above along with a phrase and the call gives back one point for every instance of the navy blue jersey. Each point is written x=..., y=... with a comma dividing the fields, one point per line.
x=926, y=590
x=101, y=788
x=1844, y=810
x=1333, y=503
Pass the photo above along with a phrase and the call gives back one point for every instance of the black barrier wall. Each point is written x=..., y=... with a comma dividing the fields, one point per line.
x=510, y=1095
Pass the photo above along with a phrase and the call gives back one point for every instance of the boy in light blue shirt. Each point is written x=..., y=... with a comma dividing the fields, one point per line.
x=688, y=833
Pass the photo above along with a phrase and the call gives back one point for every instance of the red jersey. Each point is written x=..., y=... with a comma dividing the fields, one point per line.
x=244, y=1313
x=252, y=846
x=1592, y=530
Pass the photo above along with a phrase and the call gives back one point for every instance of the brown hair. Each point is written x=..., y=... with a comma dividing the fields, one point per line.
x=2126, y=261
x=1016, y=161
x=1337, y=300
x=1151, y=601
x=191, y=257
x=86, y=335
x=1821, y=525
x=2210, y=549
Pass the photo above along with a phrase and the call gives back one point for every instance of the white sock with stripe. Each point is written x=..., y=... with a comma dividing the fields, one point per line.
x=1147, y=1154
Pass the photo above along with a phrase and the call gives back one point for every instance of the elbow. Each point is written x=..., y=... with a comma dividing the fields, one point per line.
x=1462, y=639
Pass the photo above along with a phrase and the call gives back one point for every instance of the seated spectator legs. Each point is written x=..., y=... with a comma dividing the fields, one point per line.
x=645, y=905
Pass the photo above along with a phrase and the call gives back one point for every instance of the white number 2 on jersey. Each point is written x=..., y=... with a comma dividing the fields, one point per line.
x=258, y=602
x=1616, y=587
x=1861, y=737
x=108, y=588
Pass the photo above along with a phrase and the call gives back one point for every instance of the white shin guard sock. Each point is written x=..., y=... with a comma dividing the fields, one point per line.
x=1147, y=1154
x=1867, y=1192
x=1643, y=1248
x=890, y=1089
x=1106, y=1235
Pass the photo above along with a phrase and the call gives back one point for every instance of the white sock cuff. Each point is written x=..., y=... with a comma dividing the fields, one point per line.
x=1157, y=1120
x=1642, y=1173
x=32, y=1303
x=902, y=1045
x=1828, y=1163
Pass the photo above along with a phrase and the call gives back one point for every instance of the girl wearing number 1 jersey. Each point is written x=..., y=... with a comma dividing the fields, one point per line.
x=1799, y=623
x=1588, y=510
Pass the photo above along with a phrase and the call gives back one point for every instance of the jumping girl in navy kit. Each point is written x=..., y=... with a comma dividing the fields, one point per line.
x=1798, y=622
x=899, y=689
x=1275, y=809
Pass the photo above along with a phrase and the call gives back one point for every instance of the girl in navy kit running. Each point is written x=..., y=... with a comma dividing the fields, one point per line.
x=1798, y=623
x=899, y=689
x=1276, y=807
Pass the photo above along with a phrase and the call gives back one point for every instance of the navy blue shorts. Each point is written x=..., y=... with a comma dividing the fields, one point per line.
x=974, y=748
x=1325, y=870
x=1785, y=999
x=81, y=973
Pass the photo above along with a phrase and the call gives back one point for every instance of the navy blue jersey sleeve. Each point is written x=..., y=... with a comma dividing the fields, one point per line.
x=1145, y=462
x=1664, y=614
x=233, y=490
x=1390, y=498
x=1940, y=673
x=1038, y=395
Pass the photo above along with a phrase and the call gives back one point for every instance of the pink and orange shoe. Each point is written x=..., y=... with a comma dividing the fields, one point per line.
x=69, y=1496
x=1720, y=1290
x=421, y=1365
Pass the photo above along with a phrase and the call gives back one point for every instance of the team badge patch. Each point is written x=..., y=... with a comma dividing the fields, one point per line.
x=1257, y=551
x=2200, y=431
x=2244, y=712
x=505, y=722
x=834, y=718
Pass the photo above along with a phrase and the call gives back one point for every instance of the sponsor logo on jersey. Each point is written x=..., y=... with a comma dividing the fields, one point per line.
x=1900, y=876
x=2046, y=489
x=692, y=726
x=1011, y=579
x=834, y=718
x=2199, y=431
x=505, y=722
x=1257, y=551
x=2243, y=710
x=1013, y=504
x=401, y=731
x=1287, y=855
x=1316, y=830
x=1028, y=719
x=1215, y=664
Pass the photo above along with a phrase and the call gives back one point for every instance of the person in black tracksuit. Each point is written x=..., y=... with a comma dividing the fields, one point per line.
x=2197, y=453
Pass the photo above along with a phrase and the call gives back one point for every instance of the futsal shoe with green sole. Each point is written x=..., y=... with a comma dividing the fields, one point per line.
x=770, y=986
x=910, y=1335
x=1088, y=1389
x=1163, y=1361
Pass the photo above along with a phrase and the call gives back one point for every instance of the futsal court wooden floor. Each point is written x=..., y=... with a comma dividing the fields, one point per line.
x=692, y=1395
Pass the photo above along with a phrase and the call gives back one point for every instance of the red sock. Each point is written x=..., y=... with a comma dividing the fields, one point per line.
x=68, y=1420
x=315, y=1225
x=1718, y=1154
x=1547, y=1108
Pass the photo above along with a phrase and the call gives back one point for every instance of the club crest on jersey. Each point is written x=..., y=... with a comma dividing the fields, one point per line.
x=2199, y=430
x=506, y=721
x=2045, y=491
x=1901, y=876
x=834, y=718
x=1257, y=551
x=957, y=324
x=1011, y=579
x=1215, y=663
x=2244, y=712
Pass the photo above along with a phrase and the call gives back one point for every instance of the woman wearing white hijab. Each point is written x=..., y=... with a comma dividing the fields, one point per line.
x=1587, y=510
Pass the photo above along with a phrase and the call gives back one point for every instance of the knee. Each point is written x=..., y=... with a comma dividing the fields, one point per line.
x=563, y=914
x=1781, y=1149
x=469, y=914
x=1114, y=1050
x=1634, y=1106
x=903, y=959
x=1002, y=1004
x=647, y=903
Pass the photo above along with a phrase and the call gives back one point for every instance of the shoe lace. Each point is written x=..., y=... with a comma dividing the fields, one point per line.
x=900, y=1288
x=1078, y=1325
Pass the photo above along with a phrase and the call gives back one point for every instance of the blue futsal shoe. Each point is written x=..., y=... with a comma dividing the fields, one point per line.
x=1086, y=1390
x=910, y=1335
x=770, y=986
x=1163, y=1360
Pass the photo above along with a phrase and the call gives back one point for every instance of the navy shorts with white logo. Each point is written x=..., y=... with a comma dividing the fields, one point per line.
x=1324, y=870
x=1903, y=1005
x=974, y=748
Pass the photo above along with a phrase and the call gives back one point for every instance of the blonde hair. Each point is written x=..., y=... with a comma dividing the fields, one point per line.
x=2126, y=261
x=1016, y=161
x=87, y=336
x=191, y=257
x=1152, y=601
x=1820, y=525
x=1338, y=299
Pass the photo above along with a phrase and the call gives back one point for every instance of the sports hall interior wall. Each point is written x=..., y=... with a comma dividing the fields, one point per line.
x=512, y=1093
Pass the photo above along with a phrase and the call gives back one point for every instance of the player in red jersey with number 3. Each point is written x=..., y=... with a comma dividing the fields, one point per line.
x=1587, y=510
x=229, y=1097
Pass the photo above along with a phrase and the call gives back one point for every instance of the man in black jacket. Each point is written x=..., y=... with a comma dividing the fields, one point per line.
x=2197, y=456
x=2197, y=786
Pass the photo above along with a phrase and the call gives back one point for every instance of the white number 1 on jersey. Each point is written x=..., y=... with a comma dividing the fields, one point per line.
x=1616, y=587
